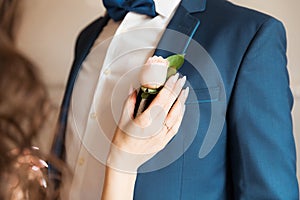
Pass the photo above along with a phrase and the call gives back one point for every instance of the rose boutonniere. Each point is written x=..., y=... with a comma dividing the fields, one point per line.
x=153, y=75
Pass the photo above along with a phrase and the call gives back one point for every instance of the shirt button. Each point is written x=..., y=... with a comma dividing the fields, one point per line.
x=107, y=71
x=81, y=161
x=93, y=115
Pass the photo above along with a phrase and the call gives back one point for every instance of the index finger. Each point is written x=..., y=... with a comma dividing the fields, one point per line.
x=168, y=94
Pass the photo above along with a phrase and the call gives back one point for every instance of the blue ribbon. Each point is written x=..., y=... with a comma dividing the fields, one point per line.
x=117, y=9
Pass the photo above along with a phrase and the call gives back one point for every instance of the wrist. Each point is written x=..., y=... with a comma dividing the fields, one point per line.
x=119, y=181
x=122, y=161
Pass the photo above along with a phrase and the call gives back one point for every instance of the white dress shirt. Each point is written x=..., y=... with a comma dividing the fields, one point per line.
x=101, y=88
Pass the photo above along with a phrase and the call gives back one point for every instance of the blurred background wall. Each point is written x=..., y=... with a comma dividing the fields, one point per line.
x=49, y=29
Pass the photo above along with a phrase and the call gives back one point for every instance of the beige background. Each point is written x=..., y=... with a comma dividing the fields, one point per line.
x=49, y=29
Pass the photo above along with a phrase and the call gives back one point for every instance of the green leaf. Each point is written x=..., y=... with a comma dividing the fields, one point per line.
x=149, y=90
x=145, y=95
x=176, y=61
x=171, y=72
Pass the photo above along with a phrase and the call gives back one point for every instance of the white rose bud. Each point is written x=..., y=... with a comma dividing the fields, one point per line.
x=154, y=72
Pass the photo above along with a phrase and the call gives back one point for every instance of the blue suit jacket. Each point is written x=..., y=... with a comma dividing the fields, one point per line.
x=253, y=157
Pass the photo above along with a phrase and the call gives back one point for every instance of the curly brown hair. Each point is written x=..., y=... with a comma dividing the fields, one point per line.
x=23, y=109
x=9, y=17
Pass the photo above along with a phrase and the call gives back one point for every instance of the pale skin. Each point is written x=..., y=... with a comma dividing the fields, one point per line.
x=160, y=126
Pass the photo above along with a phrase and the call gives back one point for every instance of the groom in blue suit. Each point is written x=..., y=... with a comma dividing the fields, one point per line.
x=236, y=138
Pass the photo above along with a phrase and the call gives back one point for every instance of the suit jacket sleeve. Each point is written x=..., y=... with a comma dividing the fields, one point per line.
x=261, y=143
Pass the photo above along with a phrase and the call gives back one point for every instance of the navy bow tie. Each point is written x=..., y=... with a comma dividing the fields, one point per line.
x=117, y=9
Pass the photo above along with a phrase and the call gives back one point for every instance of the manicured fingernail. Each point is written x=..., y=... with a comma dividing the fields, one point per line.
x=175, y=77
x=186, y=92
x=43, y=163
x=182, y=81
x=183, y=110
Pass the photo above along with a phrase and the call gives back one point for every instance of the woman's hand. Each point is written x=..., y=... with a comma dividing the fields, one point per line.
x=137, y=140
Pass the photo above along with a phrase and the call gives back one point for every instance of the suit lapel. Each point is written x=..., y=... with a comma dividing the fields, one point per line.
x=200, y=70
x=83, y=46
x=181, y=28
x=194, y=6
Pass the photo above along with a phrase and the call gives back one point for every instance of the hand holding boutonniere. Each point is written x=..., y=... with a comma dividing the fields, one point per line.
x=153, y=75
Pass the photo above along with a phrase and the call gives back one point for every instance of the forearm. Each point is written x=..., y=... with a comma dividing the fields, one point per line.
x=118, y=185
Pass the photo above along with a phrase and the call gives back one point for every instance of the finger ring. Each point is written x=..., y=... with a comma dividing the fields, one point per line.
x=168, y=128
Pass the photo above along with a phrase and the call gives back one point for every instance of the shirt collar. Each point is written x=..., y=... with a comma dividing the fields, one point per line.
x=165, y=7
